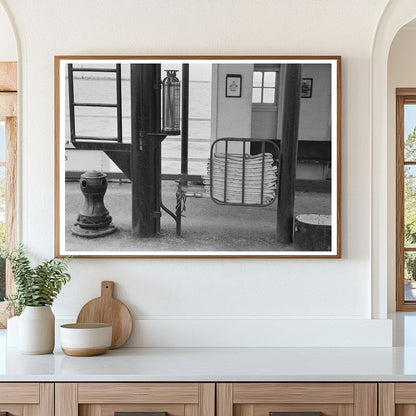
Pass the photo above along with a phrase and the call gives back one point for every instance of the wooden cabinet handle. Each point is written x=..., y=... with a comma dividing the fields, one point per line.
x=295, y=413
x=138, y=414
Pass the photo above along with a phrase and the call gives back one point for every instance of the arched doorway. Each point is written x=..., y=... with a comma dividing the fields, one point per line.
x=395, y=16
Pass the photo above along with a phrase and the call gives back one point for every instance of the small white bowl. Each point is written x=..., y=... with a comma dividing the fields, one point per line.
x=83, y=340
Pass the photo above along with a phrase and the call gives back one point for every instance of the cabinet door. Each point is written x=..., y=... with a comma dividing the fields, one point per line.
x=143, y=399
x=26, y=399
x=397, y=399
x=297, y=399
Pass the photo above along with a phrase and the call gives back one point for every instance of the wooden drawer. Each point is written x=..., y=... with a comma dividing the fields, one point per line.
x=27, y=399
x=332, y=399
x=104, y=399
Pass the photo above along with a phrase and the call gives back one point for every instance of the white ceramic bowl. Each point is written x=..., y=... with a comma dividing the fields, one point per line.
x=84, y=340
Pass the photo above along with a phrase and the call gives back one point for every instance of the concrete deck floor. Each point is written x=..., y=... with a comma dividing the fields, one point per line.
x=206, y=226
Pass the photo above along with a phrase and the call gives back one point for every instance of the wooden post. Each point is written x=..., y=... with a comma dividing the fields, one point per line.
x=145, y=163
x=289, y=126
x=185, y=118
x=157, y=147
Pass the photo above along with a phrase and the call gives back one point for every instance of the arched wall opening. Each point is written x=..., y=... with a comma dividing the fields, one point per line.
x=395, y=17
x=401, y=73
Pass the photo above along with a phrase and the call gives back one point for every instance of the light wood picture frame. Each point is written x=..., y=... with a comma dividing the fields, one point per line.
x=227, y=186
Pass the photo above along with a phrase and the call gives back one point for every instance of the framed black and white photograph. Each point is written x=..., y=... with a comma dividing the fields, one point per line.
x=306, y=89
x=233, y=85
x=154, y=160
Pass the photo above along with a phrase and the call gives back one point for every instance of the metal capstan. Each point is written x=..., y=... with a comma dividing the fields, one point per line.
x=93, y=220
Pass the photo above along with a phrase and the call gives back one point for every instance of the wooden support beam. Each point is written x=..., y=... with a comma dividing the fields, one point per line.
x=145, y=157
x=291, y=77
x=185, y=119
x=8, y=76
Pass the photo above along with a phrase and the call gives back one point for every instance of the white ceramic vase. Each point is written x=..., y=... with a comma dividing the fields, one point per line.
x=37, y=330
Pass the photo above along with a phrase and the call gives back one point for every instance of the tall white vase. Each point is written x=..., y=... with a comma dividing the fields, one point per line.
x=37, y=330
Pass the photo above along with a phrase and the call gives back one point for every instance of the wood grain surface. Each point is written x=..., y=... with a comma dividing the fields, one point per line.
x=386, y=399
x=84, y=352
x=107, y=393
x=8, y=76
x=8, y=105
x=252, y=393
x=109, y=310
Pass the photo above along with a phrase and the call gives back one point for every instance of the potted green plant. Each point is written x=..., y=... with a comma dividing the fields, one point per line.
x=36, y=289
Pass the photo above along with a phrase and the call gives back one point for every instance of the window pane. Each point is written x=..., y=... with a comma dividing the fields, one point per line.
x=409, y=276
x=256, y=95
x=410, y=206
x=269, y=79
x=200, y=84
x=268, y=95
x=257, y=78
x=95, y=87
x=410, y=132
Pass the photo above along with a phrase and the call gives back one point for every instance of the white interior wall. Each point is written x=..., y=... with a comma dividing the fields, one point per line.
x=237, y=122
x=8, y=46
x=315, y=111
x=212, y=301
x=401, y=74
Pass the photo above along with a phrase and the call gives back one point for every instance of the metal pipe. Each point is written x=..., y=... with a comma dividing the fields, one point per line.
x=95, y=105
x=81, y=69
x=263, y=151
x=225, y=170
x=119, y=104
x=71, y=102
x=243, y=173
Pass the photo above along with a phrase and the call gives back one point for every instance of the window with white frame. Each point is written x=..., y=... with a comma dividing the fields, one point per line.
x=265, y=86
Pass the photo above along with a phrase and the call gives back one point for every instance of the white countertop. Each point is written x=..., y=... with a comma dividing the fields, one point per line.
x=222, y=364
x=215, y=364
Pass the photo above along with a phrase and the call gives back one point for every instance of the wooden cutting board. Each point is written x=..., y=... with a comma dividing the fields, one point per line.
x=107, y=309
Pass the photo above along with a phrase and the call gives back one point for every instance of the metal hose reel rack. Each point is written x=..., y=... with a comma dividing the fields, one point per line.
x=236, y=176
x=244, y=179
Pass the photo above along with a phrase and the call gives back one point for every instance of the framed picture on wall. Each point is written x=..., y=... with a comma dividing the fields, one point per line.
x=306, y=89
x=233, y=85
x=179, y=170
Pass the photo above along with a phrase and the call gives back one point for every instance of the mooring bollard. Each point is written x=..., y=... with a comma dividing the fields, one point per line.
x=94, y=219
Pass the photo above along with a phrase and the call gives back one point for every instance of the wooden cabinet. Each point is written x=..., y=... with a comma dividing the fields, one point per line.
x=105, y=399
x=208, y=399
x=397, y=399
x=27, y=399
x=261, y=399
